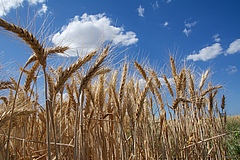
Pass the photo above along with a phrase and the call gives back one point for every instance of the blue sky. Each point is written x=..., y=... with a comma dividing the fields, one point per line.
x=204, y=33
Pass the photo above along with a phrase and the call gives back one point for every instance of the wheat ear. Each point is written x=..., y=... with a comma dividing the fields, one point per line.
x=28, y=38
x=30, y=76
x=123, y=81
x=73, y=68
x=92, y=71
x=6, y=85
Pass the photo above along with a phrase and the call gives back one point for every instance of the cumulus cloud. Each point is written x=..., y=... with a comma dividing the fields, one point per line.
x=155, y=5
x=43, y=10
x=188, y=27
x=141, y=10
x=216, y=38
x=231, y=69
x=7, y=5
x=88, y=32
x=207, y=53
x=234, y=47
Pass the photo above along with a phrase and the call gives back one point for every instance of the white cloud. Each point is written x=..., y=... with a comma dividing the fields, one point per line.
x=234, y=47
x=188, y=27
x=165, y=24
x=187, y=31
x=88, y=32
x=34, y=2
x=141, y=11
x=7, y=5
x=168, y=1
x=216, y=38
x=43, y=10
x=207, y=53
x=231, y=69
x=155, y=5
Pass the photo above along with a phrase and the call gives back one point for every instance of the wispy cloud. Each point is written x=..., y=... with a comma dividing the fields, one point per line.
x=141, y=11
x=88, y=32
x=7, y=5
x=168, y=1
x=234, y=47
x=187, y=31
x=43, y=10
x=231, y=69
x=188, y=27
x=207, y=53
x=216, y=38
x=155, y=5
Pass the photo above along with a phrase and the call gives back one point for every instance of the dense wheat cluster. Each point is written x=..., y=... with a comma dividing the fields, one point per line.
x=95, y=112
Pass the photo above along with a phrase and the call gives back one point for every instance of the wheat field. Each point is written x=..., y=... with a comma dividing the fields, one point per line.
x=93, y=111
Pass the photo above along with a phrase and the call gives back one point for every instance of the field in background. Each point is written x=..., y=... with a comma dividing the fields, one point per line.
x=94, y=111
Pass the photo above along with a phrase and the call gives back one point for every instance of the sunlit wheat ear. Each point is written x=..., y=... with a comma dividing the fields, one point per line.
x=28, y=38
x=30, y=76
x=51, y=89
x=209, y=89
x=73, y=68
x=174, y=70
x=89, y=99
x=155, y=78
x=14, y=83
x=181, y=83
x=141, y=70
x=203, y=79
x=6, y=85
x=91, y=72
x=72, y=101
x=178, y=100
x=123, y=81
x=58, y=49
x=168, y=85
x=102, y=71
